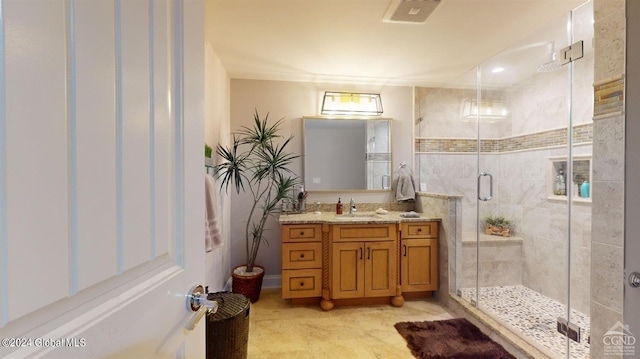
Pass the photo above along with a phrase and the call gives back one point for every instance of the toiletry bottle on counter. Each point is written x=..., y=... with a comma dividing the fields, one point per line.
x=301, y=200
x=339, y=207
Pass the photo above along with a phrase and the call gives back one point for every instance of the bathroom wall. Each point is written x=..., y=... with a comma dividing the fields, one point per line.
x=516, y=151
x=608, y=177
x=216, y=126
x=632, y=173
x=447, y=208
x=291, y=101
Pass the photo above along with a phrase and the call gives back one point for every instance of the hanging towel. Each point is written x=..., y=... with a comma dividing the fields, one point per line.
x=405, y=190
x=212, y=236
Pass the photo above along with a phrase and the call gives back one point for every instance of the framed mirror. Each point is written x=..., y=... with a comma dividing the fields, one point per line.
x=350, y=153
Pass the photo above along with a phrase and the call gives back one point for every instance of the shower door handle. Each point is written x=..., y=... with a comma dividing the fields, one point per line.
x=485, y=174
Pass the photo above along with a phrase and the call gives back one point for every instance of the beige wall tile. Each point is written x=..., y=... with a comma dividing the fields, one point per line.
x=606, y=271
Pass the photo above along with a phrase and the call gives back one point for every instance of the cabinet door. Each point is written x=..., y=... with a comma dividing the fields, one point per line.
x=419, y=265
x=380, y=269
x=348, y=270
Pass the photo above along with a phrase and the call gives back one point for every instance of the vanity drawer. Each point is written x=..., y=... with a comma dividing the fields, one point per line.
x=364, y=232
x=301, y=255
x=302, y=233
x=301, y=283
x=419, y=229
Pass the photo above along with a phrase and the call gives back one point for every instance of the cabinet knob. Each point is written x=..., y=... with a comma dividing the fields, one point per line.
x=302, y=284
x=302, y=255
x=302, y=233
x=419, y=229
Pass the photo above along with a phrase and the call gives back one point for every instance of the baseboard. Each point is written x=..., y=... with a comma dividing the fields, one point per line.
x=272, y=281
x=268, y=281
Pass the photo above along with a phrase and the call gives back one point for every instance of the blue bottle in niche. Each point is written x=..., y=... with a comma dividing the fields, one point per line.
x=584, y=190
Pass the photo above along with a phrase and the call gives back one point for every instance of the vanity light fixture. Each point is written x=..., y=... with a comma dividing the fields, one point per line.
x=351, y=103
x=489, y=111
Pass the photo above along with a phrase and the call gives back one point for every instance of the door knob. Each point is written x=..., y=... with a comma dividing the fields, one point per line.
x=197, y=302
x=634, y=279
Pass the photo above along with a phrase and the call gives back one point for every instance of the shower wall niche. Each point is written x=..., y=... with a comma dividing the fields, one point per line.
x=581, y=174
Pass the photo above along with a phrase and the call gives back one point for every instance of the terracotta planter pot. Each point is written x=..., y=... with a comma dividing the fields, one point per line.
x=497, y=231
x=248, y=284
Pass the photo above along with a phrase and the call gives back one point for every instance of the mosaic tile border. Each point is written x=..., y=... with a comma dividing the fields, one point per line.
x=545, y=139
x=533, y=315
x=608, y=96
x=378, y=156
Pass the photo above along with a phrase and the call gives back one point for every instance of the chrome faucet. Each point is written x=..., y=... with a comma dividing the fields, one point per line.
x=352, y=207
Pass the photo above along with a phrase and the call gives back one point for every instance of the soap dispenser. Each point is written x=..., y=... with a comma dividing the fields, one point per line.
x=339, y=207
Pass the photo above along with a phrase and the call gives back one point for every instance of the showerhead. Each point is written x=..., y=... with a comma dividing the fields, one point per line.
x=549, y=66
x=552, y=65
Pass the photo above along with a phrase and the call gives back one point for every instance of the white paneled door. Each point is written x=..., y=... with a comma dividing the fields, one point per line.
x=101, y=188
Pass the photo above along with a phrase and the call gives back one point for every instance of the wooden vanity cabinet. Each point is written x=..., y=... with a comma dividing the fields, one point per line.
x=419, y=256
x=301, y=260
x=363, y=261
x=359, y=263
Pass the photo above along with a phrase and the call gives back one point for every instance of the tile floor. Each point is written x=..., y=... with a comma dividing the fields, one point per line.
x=533, y=315
x=279, y=330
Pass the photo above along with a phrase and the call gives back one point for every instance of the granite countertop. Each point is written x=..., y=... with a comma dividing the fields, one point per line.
x=359, y=217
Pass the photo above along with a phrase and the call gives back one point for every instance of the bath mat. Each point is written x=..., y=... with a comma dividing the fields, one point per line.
x=452, y=338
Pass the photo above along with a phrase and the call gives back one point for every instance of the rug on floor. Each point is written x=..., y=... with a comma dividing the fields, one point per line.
x=452, y=338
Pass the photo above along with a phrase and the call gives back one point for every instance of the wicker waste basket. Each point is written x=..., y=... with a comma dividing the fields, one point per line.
x=228, y=328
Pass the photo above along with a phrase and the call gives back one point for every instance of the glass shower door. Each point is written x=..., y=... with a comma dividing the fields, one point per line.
x=533, y=117
x=513, y=138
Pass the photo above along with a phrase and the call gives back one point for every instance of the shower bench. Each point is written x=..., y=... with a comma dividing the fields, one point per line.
x=500, y=260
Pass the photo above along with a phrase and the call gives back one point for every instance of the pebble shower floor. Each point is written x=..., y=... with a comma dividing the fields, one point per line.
x=534, y=316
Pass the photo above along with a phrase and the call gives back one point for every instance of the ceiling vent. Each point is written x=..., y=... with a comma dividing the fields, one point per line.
x=410, y=11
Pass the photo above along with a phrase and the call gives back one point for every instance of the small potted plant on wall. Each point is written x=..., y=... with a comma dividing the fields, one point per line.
x=256, y=162
x=497, y=225
x=208, y=161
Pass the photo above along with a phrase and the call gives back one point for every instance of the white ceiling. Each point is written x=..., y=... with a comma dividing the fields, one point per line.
x=346, y=41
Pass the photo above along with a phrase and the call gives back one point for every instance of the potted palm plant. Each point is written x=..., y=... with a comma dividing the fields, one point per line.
x=256, y=162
